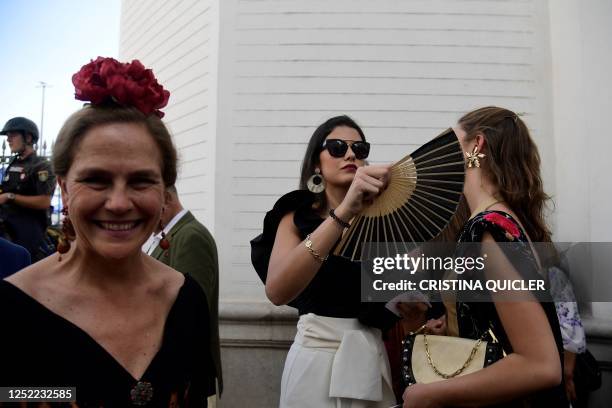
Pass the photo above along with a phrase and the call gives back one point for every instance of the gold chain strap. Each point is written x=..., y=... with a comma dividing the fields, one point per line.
x=460, y=370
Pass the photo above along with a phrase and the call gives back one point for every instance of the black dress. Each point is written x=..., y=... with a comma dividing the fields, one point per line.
x=335, y=290
x=40, y=348
x=476, y=318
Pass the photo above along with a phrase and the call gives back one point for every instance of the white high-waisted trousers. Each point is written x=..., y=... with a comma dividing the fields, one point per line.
x=336, y=363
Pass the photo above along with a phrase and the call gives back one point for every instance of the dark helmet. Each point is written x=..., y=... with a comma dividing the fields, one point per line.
x=23, y=125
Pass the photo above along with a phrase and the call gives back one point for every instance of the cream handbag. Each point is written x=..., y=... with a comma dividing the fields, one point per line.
x=429, y=358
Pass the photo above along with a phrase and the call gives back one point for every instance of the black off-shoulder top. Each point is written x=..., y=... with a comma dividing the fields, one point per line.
x=335, y=290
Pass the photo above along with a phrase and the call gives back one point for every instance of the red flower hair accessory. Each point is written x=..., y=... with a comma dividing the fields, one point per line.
x=128, y=84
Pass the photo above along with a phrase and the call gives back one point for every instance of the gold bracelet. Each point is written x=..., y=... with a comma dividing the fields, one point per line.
x=315, y=254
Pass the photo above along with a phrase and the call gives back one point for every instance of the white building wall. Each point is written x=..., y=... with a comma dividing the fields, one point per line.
x=178, y=40
x=581, y=66
x=251, y=79
x=405, y=70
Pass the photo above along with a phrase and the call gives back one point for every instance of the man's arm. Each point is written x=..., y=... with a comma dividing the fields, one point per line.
x=38, y=202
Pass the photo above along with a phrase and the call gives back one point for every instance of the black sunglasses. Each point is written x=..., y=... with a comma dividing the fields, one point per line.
x=338, y=148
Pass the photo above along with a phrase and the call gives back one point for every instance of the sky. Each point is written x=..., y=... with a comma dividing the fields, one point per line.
x=49, y=40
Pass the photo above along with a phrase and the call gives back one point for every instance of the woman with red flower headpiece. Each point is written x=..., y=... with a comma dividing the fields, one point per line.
x=101, y=315
x=503, y=190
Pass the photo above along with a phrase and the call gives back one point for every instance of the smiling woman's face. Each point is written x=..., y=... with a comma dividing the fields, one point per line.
x=114, y=190
x=340, y=170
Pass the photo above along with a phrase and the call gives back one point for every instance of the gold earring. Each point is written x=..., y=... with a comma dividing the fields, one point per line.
x=473, y=159
x=67, y=235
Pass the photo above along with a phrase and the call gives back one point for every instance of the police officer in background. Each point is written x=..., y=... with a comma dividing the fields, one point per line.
x=26, y=190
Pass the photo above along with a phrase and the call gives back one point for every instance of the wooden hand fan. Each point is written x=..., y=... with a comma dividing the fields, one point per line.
x=422, y=195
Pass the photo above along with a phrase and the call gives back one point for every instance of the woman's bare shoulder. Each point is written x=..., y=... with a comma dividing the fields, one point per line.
x=31, y=278
x=168, y=281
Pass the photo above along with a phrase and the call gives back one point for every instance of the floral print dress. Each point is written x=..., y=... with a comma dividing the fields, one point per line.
x=479, y=319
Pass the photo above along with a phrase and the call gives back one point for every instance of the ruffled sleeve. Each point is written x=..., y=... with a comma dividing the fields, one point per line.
x=499, y=224
x=301, y=202
x=513, y=242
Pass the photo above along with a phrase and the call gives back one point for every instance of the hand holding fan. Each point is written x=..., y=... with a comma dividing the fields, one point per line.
x=422, y=195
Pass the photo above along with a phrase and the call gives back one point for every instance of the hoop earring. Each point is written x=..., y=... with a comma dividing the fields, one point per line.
x=316, y=182
x=473, y=159
x=67, y=235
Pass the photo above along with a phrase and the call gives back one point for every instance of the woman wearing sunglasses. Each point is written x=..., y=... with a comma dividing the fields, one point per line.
x=337, y=358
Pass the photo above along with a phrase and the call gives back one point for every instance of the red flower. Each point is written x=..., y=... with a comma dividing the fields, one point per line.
x=128, y=84
x=503, y=222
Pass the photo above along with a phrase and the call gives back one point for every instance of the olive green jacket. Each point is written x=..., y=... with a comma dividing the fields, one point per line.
x=193, y=251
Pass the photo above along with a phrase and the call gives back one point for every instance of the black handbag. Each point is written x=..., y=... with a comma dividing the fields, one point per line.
x=587, y=374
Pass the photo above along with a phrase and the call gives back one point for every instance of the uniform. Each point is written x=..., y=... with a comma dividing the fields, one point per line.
x=27, y=227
